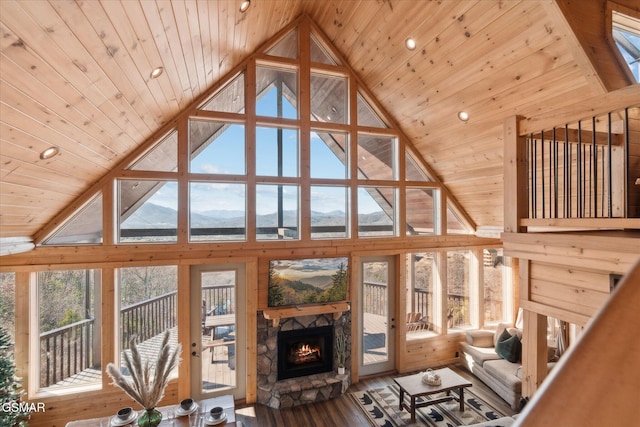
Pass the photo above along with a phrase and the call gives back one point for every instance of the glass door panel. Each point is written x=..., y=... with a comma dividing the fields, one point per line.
x=216, y=329
x=377, y=315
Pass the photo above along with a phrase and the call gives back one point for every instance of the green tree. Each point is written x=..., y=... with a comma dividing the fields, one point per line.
x=276, y=296
x=338, y=289
x=10, y=386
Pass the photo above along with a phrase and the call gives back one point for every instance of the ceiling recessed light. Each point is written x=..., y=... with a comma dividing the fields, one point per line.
x=245, y=5
x=463, y=115
x=410, y=43
x=49, y=153
x=157, y=72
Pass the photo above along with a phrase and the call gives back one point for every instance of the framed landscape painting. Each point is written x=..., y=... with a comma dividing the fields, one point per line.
x=307, y=281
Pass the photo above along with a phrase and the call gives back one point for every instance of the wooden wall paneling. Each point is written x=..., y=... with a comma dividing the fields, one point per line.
x=579, y=278
x=563, y=295
x=431, y=352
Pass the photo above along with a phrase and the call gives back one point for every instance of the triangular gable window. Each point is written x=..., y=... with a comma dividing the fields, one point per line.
x=276, y=92
x=626, y=35
x=454, y=223
x=367, y=116
x=84, y=226
x=413, y=171
x=320, y=54
x=161, y=158
x=230, y=99
x=287, y=47
x=258, y=171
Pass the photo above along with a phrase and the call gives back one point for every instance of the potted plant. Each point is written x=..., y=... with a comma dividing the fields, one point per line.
x=148, y=381
x=341, y=351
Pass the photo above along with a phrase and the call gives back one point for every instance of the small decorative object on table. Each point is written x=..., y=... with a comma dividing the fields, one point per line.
x=147, y=381
x=431, y=378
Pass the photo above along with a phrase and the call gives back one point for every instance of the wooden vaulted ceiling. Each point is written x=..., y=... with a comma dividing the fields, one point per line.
x=76, y=75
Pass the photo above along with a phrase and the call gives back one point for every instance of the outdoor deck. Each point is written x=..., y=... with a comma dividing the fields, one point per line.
x=216, y=366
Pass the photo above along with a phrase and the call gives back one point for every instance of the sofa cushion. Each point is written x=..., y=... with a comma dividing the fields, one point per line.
x=479, y=354
x=500, y=328
x=509, y=347
x=515, y=331
x=505, y=372
x=480, y=338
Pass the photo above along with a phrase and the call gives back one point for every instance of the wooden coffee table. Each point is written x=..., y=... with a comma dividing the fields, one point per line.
x=413, y=386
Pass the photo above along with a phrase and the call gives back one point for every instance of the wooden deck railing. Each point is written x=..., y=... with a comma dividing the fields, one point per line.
x=375, y=302
x=66, y=351
x=148, y=318
x=69, y=350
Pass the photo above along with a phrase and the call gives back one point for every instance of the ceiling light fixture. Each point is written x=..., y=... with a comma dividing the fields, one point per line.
x=157, y=72
x=49, y=153
x=410, y=43
x=463, y=116
x=245, y=5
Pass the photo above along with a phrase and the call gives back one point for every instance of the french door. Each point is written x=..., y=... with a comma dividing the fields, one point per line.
x=218, y=330
x=377, y=315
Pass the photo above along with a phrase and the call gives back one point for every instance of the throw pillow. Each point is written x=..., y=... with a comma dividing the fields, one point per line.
x=480, y=338
x=509, y=347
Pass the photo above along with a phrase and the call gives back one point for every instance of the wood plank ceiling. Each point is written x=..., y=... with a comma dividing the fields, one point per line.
x=76, y=75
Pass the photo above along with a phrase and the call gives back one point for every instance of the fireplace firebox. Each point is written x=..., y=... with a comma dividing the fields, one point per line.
x=304, y=352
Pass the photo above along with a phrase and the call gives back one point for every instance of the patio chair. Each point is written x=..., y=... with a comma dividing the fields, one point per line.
x=415, y=322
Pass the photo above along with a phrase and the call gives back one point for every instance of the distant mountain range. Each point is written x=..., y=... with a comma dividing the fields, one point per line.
x=150, y=216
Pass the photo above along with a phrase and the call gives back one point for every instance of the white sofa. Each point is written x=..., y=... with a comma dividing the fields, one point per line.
x=478, y=355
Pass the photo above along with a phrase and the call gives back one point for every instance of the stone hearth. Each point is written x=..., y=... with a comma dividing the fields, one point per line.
x=301, y=390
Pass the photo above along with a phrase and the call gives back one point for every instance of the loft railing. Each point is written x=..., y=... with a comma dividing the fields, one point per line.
x=585, y=169
x=71, y=349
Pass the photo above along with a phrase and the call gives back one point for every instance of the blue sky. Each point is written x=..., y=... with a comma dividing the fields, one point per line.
x=226, y=155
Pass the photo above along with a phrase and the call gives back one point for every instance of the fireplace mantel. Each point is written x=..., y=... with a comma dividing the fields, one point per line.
x=276, y=314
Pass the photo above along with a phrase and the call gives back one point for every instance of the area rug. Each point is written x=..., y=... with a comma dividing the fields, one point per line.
x=381, y=408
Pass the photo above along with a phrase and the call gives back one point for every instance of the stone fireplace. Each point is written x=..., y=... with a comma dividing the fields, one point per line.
x=304, y=369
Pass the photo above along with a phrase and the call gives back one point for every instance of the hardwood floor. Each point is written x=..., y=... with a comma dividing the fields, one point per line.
x=342, y=411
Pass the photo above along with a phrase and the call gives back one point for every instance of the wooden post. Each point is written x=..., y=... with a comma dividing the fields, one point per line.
x=515, y=177
x=534, y=352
